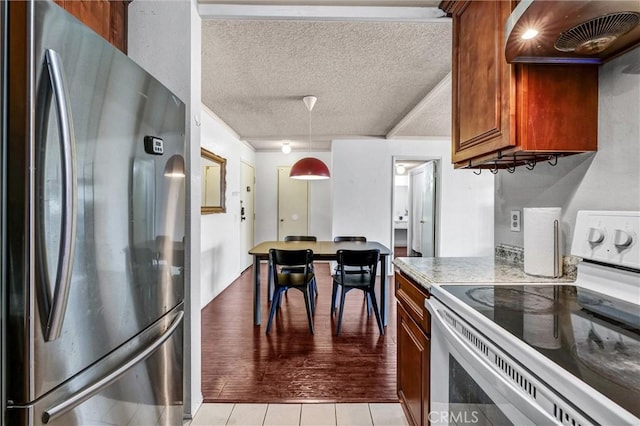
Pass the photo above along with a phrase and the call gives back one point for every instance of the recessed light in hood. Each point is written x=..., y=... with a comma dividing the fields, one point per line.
x=571, y=31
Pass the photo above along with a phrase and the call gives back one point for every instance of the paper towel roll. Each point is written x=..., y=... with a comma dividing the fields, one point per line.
x=542, y=242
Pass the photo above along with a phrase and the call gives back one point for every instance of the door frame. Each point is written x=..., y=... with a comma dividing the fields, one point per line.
x=438, y=204
x=251, y=216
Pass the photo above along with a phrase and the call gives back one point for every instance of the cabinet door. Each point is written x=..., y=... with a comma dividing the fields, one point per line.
x=118, y=24
x=105, y=17
x=483, y=82
x=94, y=14
x=557, y=108
x=413, y=369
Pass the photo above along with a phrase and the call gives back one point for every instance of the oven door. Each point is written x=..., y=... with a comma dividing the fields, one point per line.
x=465, y=387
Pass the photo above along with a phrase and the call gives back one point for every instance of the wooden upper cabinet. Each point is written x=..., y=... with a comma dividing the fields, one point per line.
x=506, y=115
x=106, y=17
x=482, y=82
x=557, y=108
x=118, y=24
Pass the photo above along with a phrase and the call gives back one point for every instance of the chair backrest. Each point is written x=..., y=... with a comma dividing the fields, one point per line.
x=300, y=238
x=290, y=258
x=358, y=238
x=362, y=258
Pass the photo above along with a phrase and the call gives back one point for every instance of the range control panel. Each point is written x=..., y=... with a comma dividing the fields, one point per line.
x=608, y=236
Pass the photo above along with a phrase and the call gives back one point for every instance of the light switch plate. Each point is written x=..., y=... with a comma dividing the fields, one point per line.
x=514, y=219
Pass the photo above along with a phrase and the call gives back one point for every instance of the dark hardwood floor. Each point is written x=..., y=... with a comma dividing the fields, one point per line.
x=241, y=363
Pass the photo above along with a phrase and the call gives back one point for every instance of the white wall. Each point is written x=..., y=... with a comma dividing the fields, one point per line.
x=266, y=201
x=220, y=232
x=164, y=38
x=606, y=180
x=362, y=188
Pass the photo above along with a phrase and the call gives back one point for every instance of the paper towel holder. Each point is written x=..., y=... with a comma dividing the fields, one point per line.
x=556, y=249
x=543, y=241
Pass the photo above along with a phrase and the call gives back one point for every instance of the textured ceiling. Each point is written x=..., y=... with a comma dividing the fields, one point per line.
x=371, y=78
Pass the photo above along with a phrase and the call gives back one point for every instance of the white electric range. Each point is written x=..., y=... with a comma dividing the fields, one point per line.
x=545, y=353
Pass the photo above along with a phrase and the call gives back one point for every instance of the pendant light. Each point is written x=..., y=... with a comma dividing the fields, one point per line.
x=309, y=168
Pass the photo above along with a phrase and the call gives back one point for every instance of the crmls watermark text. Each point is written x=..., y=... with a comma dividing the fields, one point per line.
x=459, y=417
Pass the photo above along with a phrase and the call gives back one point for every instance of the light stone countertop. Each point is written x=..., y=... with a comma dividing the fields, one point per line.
x=432, y=270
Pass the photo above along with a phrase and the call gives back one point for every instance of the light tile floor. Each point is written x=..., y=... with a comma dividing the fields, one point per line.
x=299, y=415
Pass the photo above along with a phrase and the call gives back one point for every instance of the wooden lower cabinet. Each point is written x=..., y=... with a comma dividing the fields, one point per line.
x=413, y=369
x=413, y=350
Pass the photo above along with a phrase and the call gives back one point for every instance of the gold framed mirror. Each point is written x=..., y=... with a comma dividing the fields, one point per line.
x=214, y=176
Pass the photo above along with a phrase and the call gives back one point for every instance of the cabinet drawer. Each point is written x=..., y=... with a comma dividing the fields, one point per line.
x=411, y=296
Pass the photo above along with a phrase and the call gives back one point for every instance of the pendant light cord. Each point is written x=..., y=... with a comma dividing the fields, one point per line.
x=309, y=102
x=309, y=132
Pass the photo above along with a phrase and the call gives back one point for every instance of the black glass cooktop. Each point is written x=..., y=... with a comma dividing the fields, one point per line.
x=591, y=335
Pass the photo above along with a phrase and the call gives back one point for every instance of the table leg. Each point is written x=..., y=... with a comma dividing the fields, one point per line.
x=269, y=281
x=256, y=290
x=384, y=290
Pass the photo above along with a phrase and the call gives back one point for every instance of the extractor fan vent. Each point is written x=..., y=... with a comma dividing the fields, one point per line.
x=597, y=34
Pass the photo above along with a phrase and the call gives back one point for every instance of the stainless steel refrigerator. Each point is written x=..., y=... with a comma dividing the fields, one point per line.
x=93, y=216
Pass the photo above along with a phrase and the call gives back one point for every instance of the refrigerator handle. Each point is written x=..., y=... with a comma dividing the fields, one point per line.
x=69, y=198
x=97, y=386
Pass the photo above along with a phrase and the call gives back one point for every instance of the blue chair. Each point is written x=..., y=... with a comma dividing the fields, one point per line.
x=302, y=238
x=352, y=238
x=269, y=275
x=365, y=279
x=293, y=260
x=350, y=270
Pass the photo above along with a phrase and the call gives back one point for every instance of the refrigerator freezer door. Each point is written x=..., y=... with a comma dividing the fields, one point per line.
x=140, y=383
x=127, y=266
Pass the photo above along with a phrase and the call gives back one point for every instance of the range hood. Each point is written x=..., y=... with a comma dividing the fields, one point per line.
x=571, y=31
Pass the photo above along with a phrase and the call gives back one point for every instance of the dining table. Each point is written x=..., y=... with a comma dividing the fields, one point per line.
x=322, y=251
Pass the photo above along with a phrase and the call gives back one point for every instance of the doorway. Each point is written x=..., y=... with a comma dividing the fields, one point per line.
x=422, y=212
x=414, y=215
x=293, y=206
x=247, y=213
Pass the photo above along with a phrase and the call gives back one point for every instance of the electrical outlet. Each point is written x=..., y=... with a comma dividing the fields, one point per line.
x=514, y=219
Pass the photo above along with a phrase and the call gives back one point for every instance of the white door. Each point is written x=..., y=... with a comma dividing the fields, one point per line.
x=292, y=205
x=247, y=215
x=422, y=215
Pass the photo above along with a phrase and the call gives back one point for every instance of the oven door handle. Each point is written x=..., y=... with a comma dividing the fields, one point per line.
x=510, y=392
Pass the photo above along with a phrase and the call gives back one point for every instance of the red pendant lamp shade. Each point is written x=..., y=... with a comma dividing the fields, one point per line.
x=309, y=168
